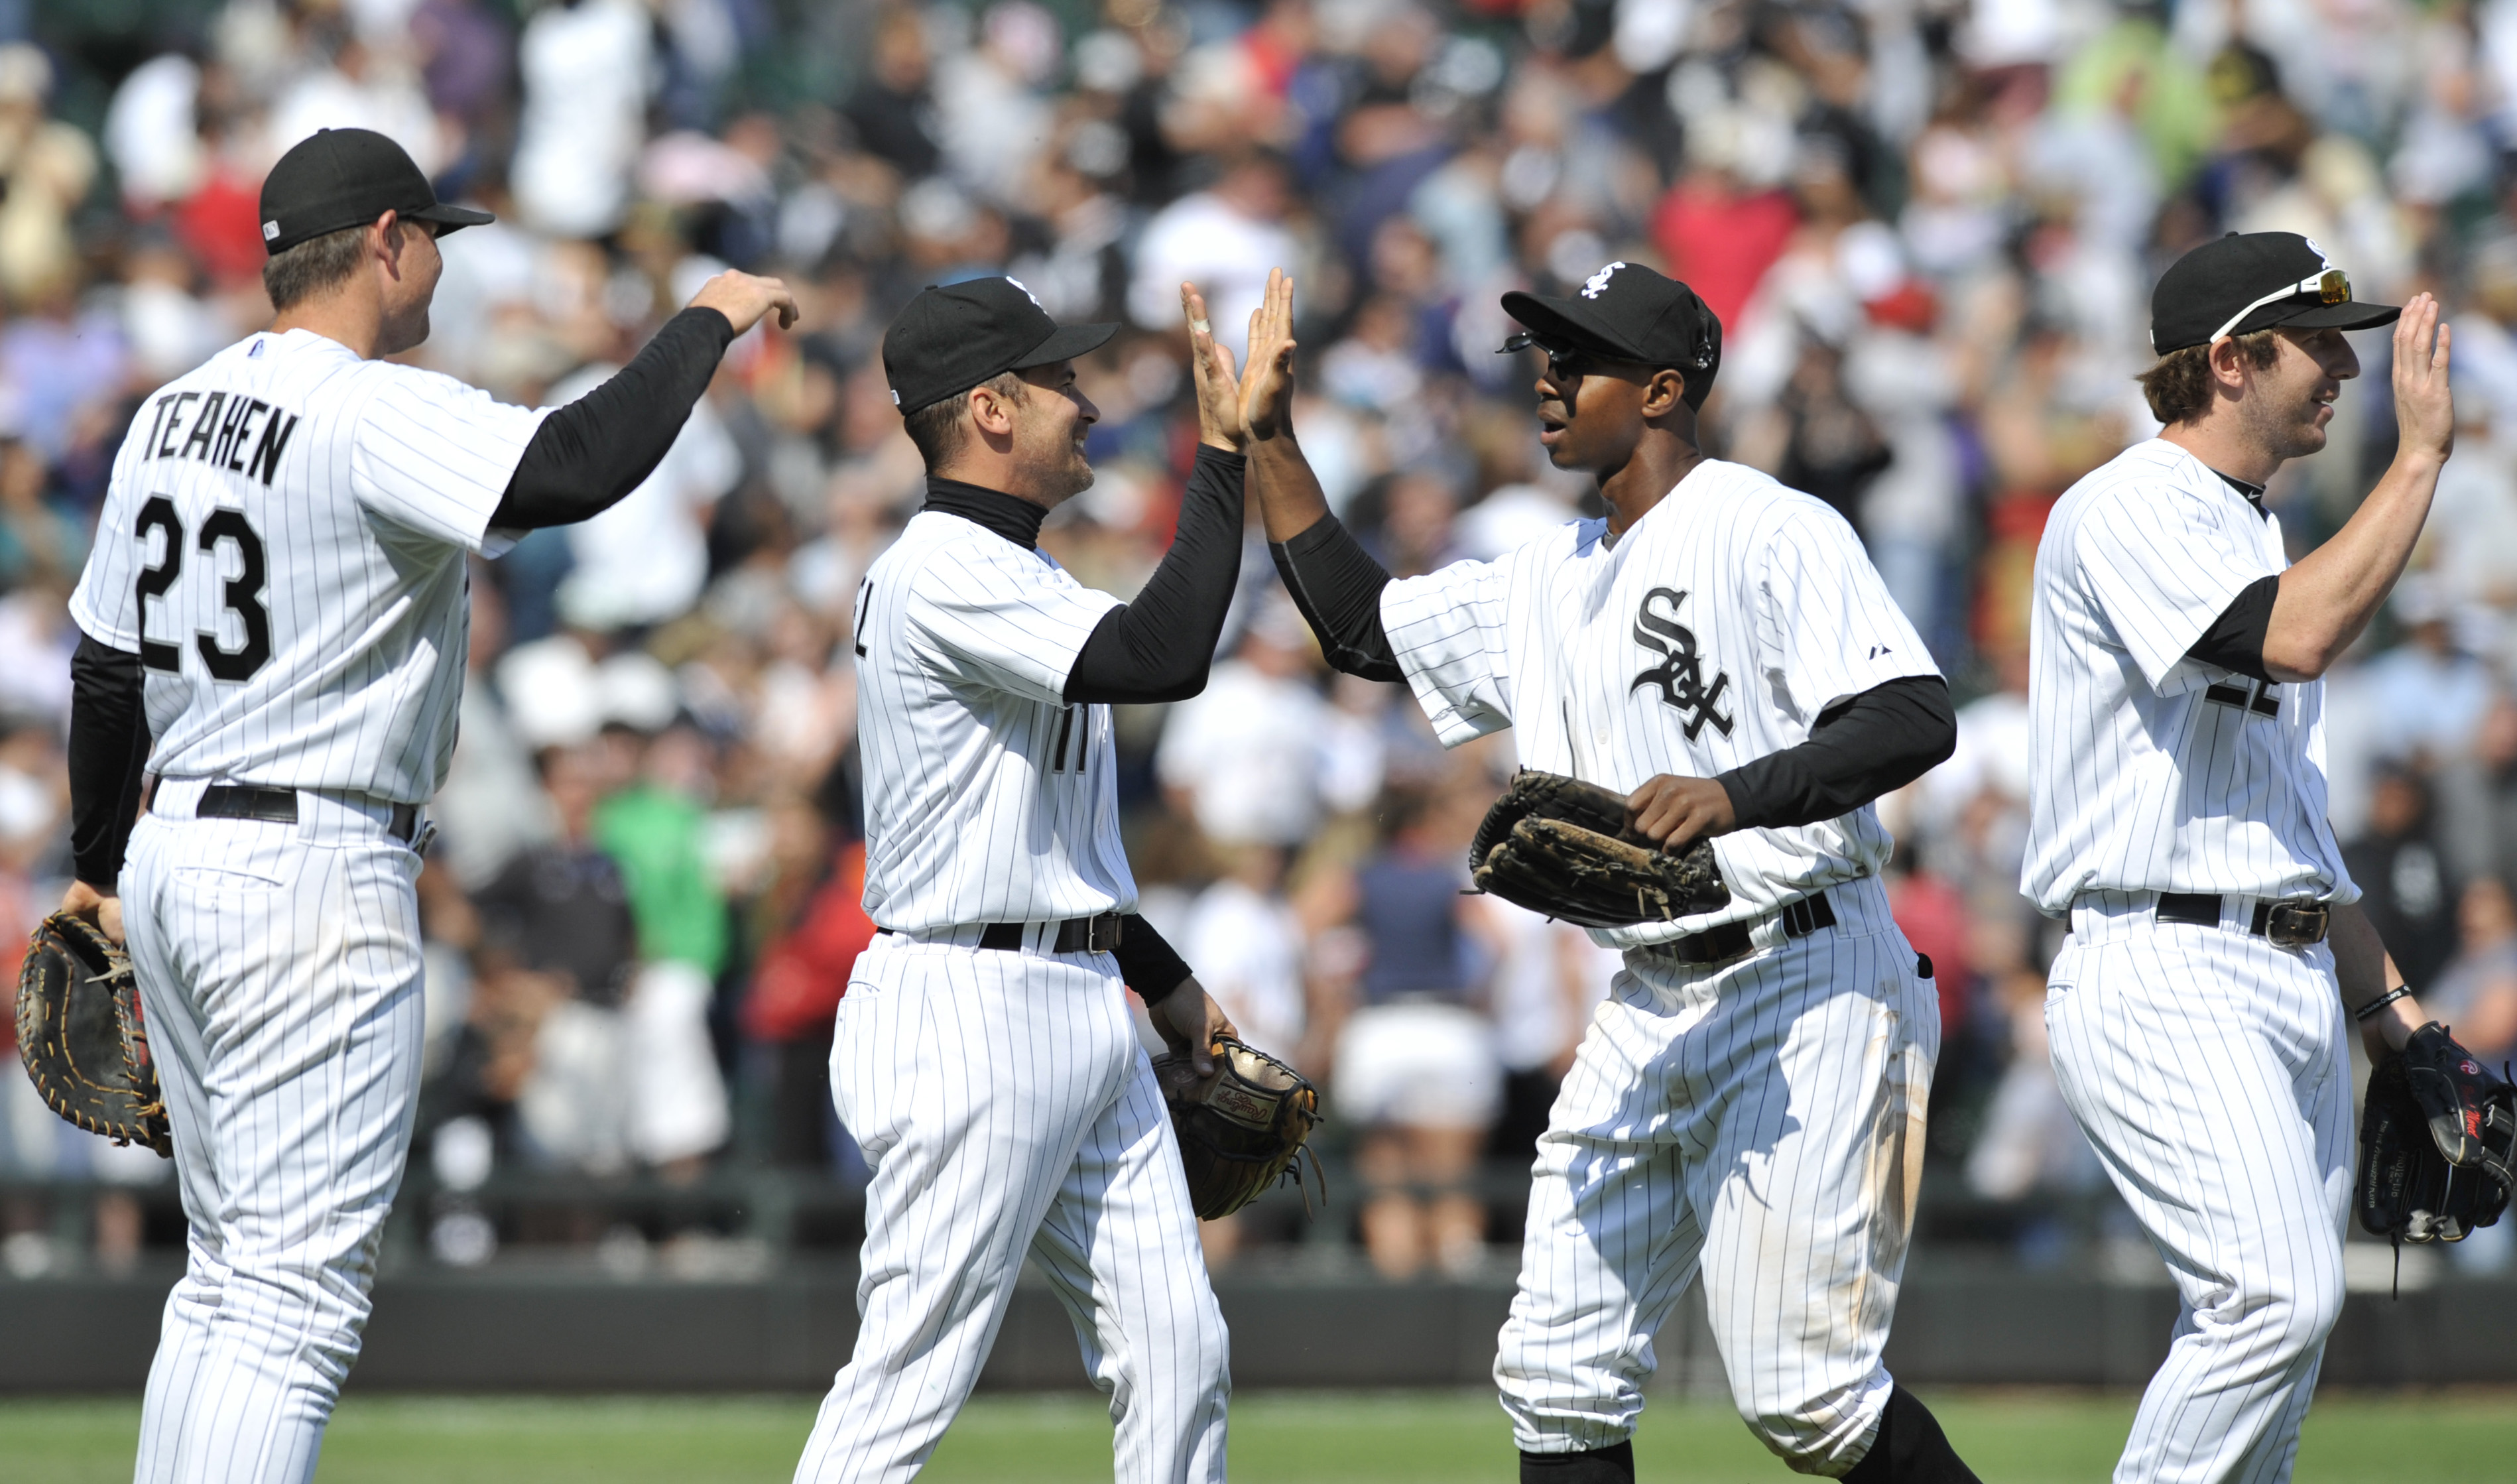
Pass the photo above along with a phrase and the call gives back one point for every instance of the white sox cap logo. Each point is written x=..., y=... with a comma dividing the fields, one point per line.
x=1027, y=293
x=1597, y=284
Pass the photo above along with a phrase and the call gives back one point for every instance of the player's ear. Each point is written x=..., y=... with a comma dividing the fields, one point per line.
x=1664, y=394
x=990, y=410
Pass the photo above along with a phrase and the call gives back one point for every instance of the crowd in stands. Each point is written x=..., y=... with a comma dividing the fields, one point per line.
x=1929, y=227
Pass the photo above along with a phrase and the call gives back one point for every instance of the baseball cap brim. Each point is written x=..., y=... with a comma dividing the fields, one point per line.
x=1065, y=343
x=450, y=218
x=2351, y=314
x=1575, y=323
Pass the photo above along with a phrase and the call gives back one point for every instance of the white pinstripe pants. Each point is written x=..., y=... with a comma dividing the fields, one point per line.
x=1006, y=1108
x=2210, y=1070
x=279, y=968
x=1761, y=1123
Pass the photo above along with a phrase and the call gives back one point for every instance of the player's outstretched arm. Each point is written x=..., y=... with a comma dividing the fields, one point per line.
x=1290, y=498
x=2326, y=599
x=589, y=454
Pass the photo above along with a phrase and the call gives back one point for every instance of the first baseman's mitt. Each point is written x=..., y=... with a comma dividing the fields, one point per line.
x=80, y=1034
x=1241, y=1129
x=1559, y=846
x=2436, y=1142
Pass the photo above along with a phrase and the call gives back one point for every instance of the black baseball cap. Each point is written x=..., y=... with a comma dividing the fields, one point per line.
x=952, y=338
x=337, y=177
x=1629, y=313
x=2249, y=282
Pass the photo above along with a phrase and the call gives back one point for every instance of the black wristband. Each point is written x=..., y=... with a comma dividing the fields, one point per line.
x=2369, y=1012
x=1146, y=963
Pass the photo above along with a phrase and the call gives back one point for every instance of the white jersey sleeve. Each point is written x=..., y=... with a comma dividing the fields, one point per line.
x=434, y=457
x=1003, y=616
x=1450, y=630
x=1829, y=627
x=105, y=605
x=2161, y=568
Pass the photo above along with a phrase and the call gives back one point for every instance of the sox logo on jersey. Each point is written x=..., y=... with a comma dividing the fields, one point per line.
x=1680, y=676
x=1669, y=1135
x=283, y=545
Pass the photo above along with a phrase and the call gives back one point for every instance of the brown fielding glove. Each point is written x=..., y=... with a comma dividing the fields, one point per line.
x=80, y=1034
x=1241, y=1129
x=1557, y=845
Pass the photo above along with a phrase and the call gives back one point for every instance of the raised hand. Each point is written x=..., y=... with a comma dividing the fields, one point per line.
x=1267, y=386
x=2424, y=408
x=1220, y=423
x=743, y=299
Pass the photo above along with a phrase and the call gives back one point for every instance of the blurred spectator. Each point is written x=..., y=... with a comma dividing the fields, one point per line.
x=1416, y=1065
x=1246, y=757
x=1223, y=239
x=2402, y=874
x=817, y=925
x=559, y=951
x=589, y=67
x=1549, y=976
x=656, y=828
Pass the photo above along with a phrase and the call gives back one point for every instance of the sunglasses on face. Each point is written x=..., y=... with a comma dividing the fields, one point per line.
x=2331, y=286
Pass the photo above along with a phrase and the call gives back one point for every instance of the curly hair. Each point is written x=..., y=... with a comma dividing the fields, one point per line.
x=2178, y=388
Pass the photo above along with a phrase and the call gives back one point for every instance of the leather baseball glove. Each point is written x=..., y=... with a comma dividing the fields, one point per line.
x=80, y=1034
x=1559, y=846
x=1241, y=1129
x=2436, y=1142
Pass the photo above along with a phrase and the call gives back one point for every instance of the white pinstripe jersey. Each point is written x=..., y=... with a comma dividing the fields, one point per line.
x=284, y=544
x=2150, y=771
x=988, y=798
x=1711, y=633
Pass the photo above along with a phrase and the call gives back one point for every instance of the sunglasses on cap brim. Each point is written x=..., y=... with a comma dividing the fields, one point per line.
x=2331, y=286
x=1563, y=363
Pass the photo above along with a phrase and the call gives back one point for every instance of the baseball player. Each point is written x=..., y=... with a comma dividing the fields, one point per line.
x=2176, y=819
x=984, y=1055
x=273, y=626
x=1749, y=1101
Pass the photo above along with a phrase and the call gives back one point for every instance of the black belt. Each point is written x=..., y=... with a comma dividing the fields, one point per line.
x=2293, y=923
x=1075, y=935
x=1737, y=940
x=279, y=806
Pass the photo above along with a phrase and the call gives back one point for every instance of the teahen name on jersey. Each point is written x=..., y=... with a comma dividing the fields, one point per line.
x=238, y=433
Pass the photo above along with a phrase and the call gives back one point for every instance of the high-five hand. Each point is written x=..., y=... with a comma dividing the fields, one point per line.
x=1267, y=386
x=1220, y=423
x=745, y=298
x=2424, y=408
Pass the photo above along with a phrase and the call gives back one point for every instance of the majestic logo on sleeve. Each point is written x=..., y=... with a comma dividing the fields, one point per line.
x=1680, y=675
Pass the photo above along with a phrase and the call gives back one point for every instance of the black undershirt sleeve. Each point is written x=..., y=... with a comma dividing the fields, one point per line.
x=1337, y=585
x=1146, y=963
x=108, y=755
x=587, y=456
x=1160, y=646
x=2234, y=640
x=1877, y=742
